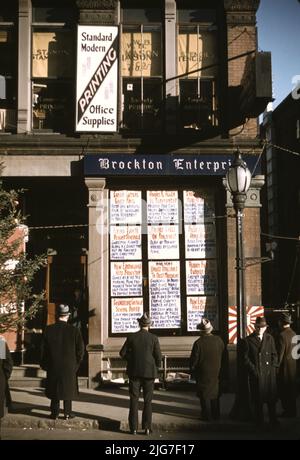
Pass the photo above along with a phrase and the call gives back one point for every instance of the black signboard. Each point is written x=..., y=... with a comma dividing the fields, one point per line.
x=156, y=165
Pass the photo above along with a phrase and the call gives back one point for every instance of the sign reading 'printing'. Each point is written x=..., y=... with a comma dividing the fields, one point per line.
x=97, y=79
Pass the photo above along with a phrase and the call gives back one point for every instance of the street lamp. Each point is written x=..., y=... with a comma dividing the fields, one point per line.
x=238, y=181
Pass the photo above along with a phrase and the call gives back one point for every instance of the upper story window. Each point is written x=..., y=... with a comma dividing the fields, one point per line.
x=8, y=66
x=197, y=67
x=141, y=67
x=53, y=65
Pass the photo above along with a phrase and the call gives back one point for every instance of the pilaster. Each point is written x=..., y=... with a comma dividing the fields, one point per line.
x=24, y=60
x=97, y=274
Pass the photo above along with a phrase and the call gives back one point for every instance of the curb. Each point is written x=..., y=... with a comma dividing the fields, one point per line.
x=30, y=422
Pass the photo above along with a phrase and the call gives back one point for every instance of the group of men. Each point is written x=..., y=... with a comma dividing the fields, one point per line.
x=267, y=368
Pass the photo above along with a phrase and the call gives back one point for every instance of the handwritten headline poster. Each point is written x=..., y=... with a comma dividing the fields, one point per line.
x=163, y=242
x=125, y=242
x=198, y=206
x=162, y=206
x=126, y=279
x=200, y=241
x=197, y=307
x=164, y=287
x=124, y=315
x=201, y=277
x=125, y=207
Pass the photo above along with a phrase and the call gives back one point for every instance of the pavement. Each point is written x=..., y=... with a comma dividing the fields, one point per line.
x=175, y=410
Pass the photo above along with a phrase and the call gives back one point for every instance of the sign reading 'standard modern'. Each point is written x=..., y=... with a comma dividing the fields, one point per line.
x=97, y=79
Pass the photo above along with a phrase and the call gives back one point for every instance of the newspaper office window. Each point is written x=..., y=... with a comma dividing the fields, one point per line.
x=197, y=69
x=52, y=68
x=141, y=69
x=163, y=259
x=8, y=67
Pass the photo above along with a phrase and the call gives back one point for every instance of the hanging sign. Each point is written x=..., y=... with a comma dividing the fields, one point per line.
x=201, y=277
x=164, y=287
x=197, y=307
x=124, y=315
x=97, y=79
x=126, y=279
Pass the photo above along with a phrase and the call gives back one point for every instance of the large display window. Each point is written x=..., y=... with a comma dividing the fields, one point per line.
x=163, y=259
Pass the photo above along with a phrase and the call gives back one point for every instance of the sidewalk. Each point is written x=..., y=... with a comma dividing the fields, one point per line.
x=107, y=409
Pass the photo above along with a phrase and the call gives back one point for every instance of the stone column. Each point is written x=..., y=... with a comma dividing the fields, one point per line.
x=97, y=275
x=171, y=65
x=24, y=66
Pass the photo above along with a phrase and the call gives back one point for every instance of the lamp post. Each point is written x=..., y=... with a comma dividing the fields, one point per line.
x=238, y=181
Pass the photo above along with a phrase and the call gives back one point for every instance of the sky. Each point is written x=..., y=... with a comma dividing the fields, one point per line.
x=278, y=23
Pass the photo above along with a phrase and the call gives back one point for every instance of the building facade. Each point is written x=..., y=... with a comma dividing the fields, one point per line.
x=281, y=129
x=119, y=119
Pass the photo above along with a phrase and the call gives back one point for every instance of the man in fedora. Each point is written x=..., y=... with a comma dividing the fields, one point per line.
x=61, y=354
x=142, y=353
x=205, y=366
x=261, y=362
x=287, y=367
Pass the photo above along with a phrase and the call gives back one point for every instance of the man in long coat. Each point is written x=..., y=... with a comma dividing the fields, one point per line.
x=261, y=363
x=6, y=366
x=205, y=366
x=142, y=353
x=287, y=368
x=61, y=354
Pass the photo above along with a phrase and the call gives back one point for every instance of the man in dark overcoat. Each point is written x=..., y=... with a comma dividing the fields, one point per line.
x=205, y=367
x=287, y=387
x=6, y=366
x=142, y=353
x=261, y=363
x=61, y=354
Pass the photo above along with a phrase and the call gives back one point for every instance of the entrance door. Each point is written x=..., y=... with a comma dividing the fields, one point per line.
x=66, y=283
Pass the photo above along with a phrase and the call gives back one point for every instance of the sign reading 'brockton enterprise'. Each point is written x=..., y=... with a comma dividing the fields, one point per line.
x=157, y=165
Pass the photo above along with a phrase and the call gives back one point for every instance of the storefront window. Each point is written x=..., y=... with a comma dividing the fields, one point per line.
x=197, y=64
x=8, y=63
x=141, y=69
x=52, y=68
x=176, y=278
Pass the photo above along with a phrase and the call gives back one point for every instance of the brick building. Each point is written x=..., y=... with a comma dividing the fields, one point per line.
x=281, y=203
x=119, y=119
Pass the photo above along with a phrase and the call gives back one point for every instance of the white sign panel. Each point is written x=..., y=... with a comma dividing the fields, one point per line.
x=125, y=207
x=197, y=307
x=200, y=241
x=125, y=242
x=201, y=277
x=97, y=79
x=198, y=206
x=163, y=242
x=164, y=286
x=126, y=279
x=162, y=206
x=124, y=315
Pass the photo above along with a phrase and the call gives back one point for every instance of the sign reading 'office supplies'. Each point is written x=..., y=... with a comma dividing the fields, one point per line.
x=97, y=79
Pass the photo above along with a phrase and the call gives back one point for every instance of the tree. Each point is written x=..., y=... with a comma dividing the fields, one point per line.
x=16, y=270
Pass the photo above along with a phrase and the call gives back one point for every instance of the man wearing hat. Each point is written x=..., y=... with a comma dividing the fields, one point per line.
x=287, y=367
x=261, y=362
x=61, y=354
x=205, y=366
x=142, y=353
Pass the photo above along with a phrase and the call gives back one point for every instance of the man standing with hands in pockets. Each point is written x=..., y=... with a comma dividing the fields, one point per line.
x=142, y=353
